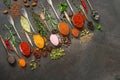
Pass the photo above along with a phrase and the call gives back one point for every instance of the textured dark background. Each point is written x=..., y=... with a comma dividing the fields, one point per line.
x=97, y=60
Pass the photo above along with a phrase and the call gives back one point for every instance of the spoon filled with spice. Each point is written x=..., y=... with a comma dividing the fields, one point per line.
x=21, y=61
x=10, y=58
x=78, y=19
x=95, y=15
x=38, y=39
x=74, y=31
x=54, y=36
x=62, y=26
x=89, y=23
x=24, y=46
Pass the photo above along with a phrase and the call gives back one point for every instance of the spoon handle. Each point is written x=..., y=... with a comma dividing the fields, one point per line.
x=28, y=37
x=10, y=19
x=55, y=12
x=70, y=6
x=81, y=7
x=4, y=44
x=68, y=18
x=15, y=49
x=89, y=4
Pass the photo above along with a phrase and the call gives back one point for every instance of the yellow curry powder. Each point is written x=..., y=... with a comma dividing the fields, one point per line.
x=39, y=41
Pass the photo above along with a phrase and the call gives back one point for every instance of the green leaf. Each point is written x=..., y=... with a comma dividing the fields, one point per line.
x=99, y=27
x=62, y=7
x=25, y=24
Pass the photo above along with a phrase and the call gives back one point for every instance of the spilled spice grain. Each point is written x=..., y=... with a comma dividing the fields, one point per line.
x=15, y=9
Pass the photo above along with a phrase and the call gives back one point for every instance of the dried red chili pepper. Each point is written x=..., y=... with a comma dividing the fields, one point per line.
x=84, y=6
x=8, y=44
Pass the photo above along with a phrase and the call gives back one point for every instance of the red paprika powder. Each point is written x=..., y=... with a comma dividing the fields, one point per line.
x=25, y=49
x=78, y=20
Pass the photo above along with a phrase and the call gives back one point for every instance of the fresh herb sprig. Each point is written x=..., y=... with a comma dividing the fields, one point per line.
x=10, y=35
x=38, y=23
x=51, y=19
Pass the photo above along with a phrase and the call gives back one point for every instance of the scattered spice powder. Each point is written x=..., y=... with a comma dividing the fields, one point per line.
x=78, y=20
x=63, y=28
x=86, y=38
x=15, y=9
x=25, y=48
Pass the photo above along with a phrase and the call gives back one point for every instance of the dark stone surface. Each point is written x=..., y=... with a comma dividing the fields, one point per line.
x=97, y=60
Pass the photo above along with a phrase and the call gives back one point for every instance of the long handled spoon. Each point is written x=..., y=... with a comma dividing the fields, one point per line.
x=89, y=23
x=60, y=25
x=80, y=20
x=25, y=14
x=21, y=61
x=10, y=57
x=54, y=37
x=95, y=14
x=10, y=19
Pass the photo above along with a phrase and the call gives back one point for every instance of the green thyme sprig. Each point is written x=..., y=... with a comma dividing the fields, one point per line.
x=39, y=24
x=49, y=17
x=10, y=35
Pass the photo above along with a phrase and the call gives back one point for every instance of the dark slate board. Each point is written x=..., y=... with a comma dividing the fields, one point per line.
x=97, y=60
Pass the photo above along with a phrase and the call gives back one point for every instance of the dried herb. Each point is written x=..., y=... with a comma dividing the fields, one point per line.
x=84, y=32
x=39, y=24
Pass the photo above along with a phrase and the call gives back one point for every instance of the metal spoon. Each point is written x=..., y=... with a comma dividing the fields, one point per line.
x=10, y=19
x=10, y=57
x=90, y=23
x=95, y=14
x=19, y=57
x=24, y=12
x=51, y=3
x=67, y=33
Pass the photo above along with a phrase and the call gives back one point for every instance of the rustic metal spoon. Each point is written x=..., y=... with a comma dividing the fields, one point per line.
x=10, y=58
x=95, y=15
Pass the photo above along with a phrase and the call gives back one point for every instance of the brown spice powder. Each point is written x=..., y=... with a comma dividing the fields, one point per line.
x=86, y=38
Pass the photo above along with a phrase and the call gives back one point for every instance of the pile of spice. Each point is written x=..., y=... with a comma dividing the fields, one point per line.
x=57, y=53
x=78, y=20
x=25, y=48
x=63, y=28
x=15, y=9
x=22, y=62
x=86, y=38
